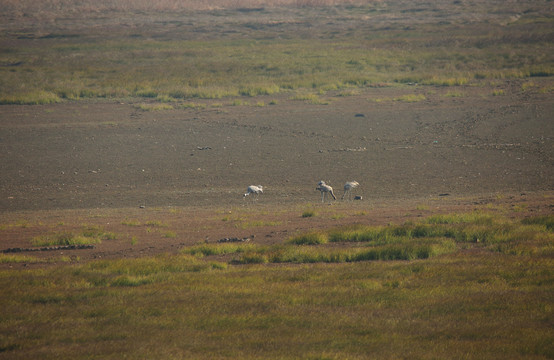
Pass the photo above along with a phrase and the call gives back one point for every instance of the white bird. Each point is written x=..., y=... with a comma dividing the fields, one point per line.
x=324, y=188
x=348, y=187
x=254, y=189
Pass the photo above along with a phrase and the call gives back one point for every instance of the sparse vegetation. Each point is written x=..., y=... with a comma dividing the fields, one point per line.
x=173, y=68
x=27, y=259
x=218, y=249
x=88, y=235
x=410, y=98
x=154, y=107
x=312, y=238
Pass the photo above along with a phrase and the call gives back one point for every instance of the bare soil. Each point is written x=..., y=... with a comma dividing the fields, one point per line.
x=164, y=179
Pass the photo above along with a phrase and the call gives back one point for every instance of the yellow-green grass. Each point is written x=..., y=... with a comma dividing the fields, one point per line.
x=29, y=259
x=250, y=64
x=88, y=235
x=484, y=303
x=482, y=306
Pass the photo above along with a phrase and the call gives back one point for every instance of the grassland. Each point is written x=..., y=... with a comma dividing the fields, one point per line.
x=473, y=297
x=275, y=50
x=157, y=285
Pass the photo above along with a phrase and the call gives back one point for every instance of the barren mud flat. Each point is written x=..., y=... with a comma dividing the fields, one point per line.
x=110, y=164
x=89, y=155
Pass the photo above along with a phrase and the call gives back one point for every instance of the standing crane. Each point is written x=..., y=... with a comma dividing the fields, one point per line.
x=325, y=189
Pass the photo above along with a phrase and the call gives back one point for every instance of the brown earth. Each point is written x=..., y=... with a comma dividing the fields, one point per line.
x=164, y=179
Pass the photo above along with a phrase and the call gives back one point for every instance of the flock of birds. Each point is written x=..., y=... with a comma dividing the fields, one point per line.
x=325, y=189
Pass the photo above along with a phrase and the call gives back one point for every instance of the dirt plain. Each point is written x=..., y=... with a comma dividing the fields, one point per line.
x=162, y=180
x=184, y=172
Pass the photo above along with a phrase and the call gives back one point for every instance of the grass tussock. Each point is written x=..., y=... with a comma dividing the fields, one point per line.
x=410, y=98
x=25, y=259
x=154, y=107
x=312, y=238
x=87, y=236
x=218, y=249
x=33, y=97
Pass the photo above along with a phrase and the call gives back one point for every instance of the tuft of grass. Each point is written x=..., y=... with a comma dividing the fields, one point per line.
x=311, y=238
x=251, y=258
x=547, y=221
x=131, y=222
x=256, y=90
x=218, y=249
x=438, y=81
x=155, y=223
x=410, y=98
x=310, y=98
x=192, y=105
x=18, y=259
x=154, y=107
x=473, y=217
x=239, y=102
x=36, y=97
x=89, y=235
x=453, y=94
x=309, y=213
x=255, y=223
x=170, y=234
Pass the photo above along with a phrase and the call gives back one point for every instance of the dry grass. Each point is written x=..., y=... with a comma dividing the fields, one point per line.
x=489, y=302
x=250, y=49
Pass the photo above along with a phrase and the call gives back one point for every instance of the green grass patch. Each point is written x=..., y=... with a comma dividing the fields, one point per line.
x=310, y=98
x=129, y=222
x=246, y=224
x=218, y=249
x=311, y=238
x=89, y=235
x=547, y=221
x=155, y=223
x=26, y=259
x=154, y=107
x=35, y=97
